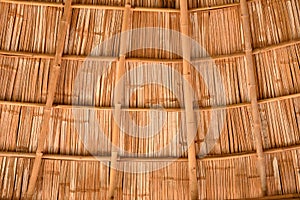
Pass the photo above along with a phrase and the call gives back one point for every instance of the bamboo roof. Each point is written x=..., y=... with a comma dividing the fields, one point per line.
x=253, y=44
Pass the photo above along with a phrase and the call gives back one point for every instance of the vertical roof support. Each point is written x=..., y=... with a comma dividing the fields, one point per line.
x=188, y=101
x=118, y=101
x=54, y=74
x=253, y=95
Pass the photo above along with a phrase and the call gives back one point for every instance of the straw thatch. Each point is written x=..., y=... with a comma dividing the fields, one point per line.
x=255, y=46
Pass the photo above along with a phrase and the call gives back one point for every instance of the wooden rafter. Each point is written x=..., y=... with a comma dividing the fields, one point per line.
x=54, y=74
x=188, y=101
x=253, y=95
x=118, y=101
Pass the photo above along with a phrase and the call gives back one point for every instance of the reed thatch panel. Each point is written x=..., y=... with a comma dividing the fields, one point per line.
x=278, y=72
x=24, y=79
x=229, y=76
x=145, y=38
x=87, y=82
x=296, y=164
x=72, y=180
x=89, y=28
x=235, y=128
x=28, y=28
x=228, y=179
x=170, y=182
x=231, y=73
x=209, y=3
x=280, y=123
x=217, y=31
x=273, y=22
x=160, y=84
x=72, y=132
x=20, y=127
x=101, y=2
x=9, y=119
x=283, y=173
x=156, y=3
x=161, y=136
x=13, y=177
x=51, y=1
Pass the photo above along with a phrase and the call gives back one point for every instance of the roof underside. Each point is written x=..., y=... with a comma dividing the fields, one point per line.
x=29, y=43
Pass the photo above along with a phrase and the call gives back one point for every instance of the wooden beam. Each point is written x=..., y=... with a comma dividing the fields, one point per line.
x=253, y=96
x=118, y=102
x=190, y=120
x=54, y=73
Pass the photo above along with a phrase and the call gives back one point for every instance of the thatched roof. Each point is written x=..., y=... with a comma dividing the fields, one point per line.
x=253, y=45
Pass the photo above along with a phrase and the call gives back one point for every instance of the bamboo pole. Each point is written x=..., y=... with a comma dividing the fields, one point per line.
x=253, y=96
x=54, y=73
x=118, y=101
x=188, y=101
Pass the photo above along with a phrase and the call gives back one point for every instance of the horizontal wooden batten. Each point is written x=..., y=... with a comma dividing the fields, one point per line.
x=151, y=60
x=98, y=7
x=26, y=54
x=232, y=106
x=276, y=46
x=121, y=8
x=282, y=196
x=214, y=7
x=90, y=58
x=219, y=57
x=107, y=7
x=90, y=158
x=34, y=3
